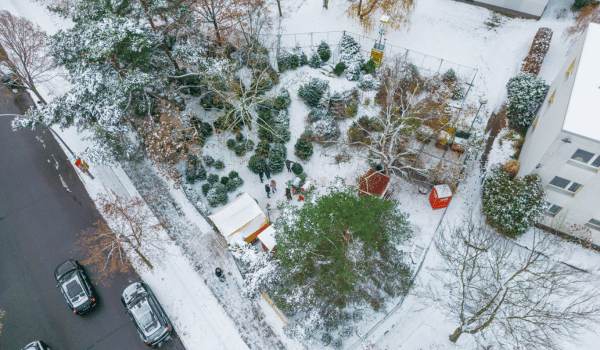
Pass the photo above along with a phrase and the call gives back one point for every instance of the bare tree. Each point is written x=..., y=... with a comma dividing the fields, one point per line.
x=26, y=54
x=587, y=15
x=132, y=229
x=515, y=297
x=220, y=13
x=366, y=11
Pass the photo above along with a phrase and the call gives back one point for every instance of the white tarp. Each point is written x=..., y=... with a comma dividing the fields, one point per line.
x=240, y=218
x=267, y=237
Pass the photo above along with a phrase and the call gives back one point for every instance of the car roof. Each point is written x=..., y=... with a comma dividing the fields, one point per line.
x=65, y=267
x=32, y=346
x=132, y=291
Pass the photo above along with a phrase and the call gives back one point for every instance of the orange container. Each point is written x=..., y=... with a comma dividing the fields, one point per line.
x=440, y=196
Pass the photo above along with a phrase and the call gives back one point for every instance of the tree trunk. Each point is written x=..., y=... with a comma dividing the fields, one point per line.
x=454, y=336
x=217, y=32
x=114, y=60
x=326, y=4
x=144, y=258
x=359, y=7
x=32, y=88
x=279, y=7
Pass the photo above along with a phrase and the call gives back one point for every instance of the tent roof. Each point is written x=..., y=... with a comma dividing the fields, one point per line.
x=582, y=113
x=267, y=237
x=240, y=212
x=374, y=183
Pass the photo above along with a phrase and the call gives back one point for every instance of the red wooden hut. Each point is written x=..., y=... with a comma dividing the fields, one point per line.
x=374, y=183
x=440, y=196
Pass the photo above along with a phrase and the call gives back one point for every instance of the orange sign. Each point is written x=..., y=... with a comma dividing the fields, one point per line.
x=377, y=57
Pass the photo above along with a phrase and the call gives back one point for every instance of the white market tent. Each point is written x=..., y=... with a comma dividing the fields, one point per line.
x=267, y=237
x=240, y=220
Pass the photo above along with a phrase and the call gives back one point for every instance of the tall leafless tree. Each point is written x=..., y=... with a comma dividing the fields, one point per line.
x=220, y=14
x=366, y=11
x=132, y=229
x=26, y=53
x=509, y=296
x=587, y=15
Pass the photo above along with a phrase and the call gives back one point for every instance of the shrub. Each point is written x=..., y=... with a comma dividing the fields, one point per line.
x=353, y=71
x=324, y=51
x=231, y=144
x=279, y=150
x=369, y=67
x=224, y=180
x=293, y=62
x=297, y=168
x=302, y=59
x=525, y=93
x=457, y=93
x=449, y=76
x=350, y=50
x=312, y=91
x=256, y=162
x=324, y=130
x=217, y=195
x=367, y=83
x=580, y=4
x=212, y=178
x=315, y=61
x=234, y=183
x=512, y=167
x=276, y=163
x=263, y=149
x=219, y=165
x=233, y=174
x=303, y=147
x=339, y=68
x=303, y=176
x=283, y=100
x=205, y=189
x=265, y=134
x=239, y=150
x=195, y=173
x=209, y=161
x=512, y=206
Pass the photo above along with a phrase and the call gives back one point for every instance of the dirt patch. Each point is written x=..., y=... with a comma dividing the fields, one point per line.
x=496, y=123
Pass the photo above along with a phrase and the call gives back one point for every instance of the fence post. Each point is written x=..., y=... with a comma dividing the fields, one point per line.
x=311, y=40
x=424, y=57
x=440, y=67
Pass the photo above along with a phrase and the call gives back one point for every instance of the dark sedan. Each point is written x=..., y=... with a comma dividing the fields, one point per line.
x=149, y=318
x=75, y=286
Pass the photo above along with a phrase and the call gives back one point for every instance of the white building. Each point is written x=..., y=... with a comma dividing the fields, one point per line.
x=523, y=8
x=562, y=145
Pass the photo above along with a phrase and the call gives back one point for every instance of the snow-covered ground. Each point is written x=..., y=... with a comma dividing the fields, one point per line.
x=446, y=29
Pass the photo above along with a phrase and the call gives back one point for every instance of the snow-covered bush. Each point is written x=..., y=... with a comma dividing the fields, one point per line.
x=315, y=61
x=351, y=55
x=212, y=178
x=194, y=170
x=312, y=91
x=324, y=51
x=304, y=147
x=205, y=189
x=367, y=83
x=449, y=76
x=279, y=150
x=512, y=206
x=325, y=130
x=259, y=268
x=234, y=183
x=219, y=165
x=256, y=163
x=369, y=67
x=233, y=174
x=525, y=93
x=276, y=163
x=217, y=195
x=208, y=160
x=302, y=58
x=353, y=71
x=224, y=180
x=230, y=144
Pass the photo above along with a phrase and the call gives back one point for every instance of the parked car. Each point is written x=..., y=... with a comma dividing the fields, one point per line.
x=149, y=318
x=36, y=345
x=75, y=286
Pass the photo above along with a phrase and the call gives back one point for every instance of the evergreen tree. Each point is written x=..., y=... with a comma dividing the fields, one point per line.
x=338, y=249
x=324, y=51
x=525, y=94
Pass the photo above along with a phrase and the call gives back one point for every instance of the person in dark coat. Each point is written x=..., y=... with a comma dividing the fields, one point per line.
x=268, y=190
x=267, y=172
x=288, y=165
x=219, y=274
x=288, y=194
x=260, y=174
x=273, y=186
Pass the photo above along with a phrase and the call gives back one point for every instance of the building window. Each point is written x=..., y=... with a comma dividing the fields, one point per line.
x=565, y=184
x=552, y=209
x=570, y=70
x=595, y=223
x=551, y=97
x=586, y=157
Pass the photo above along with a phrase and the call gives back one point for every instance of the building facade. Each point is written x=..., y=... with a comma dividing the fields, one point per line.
x=562, y=145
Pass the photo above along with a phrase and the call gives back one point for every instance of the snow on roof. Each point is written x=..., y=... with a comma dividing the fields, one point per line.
x=583, y=116
x=443, y=191
x=529, y=7
x=267, y=237
x=242, y=214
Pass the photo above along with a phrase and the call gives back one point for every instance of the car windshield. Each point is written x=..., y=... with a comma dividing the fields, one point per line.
x=74, y=290
x=145, y=317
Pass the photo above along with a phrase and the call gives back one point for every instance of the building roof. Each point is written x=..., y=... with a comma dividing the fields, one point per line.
x=583, y=115
x=528, y=7
x=267, y=237
x=239, y=219
x=443, y=191
x=374, y=183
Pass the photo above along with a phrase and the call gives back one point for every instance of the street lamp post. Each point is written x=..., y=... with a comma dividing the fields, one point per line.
x=482, y=101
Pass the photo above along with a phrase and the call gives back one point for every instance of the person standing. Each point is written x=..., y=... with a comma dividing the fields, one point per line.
x=268, y=190
x=219, y=274
x=273, y=186
x=288, y=165
x=288, y=194
x=268, y=172
x=260, y=174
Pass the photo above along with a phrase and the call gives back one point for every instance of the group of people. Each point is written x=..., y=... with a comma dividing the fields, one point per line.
x=272, y=186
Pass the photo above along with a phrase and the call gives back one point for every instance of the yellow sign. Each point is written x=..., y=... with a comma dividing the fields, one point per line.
x=377, y=57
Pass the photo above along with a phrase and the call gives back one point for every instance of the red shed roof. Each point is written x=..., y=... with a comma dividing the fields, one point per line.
x=374, y=183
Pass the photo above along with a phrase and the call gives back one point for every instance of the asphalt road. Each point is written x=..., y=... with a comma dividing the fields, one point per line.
x=39, y=223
